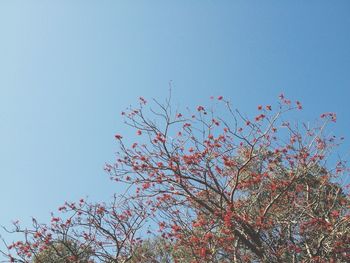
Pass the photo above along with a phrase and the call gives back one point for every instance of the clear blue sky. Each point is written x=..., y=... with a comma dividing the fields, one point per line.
x=68, y=68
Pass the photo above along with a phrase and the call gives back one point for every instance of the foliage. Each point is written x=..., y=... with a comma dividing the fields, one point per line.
x=63, y=252
x=153, y=250
x=222, y=188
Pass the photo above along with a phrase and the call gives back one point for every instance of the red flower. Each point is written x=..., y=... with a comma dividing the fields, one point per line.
x=142, y=100
x=118, y=136
x=55, y=219
x=146, y=185
x=203, y=252
x=200, y=108
x=335, y=213
x=299, y=105
x=161, y=226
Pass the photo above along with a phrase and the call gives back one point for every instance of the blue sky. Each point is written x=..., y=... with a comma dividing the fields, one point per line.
x=68, y=68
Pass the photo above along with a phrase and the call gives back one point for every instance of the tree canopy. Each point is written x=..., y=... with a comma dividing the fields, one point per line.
x=210, y=186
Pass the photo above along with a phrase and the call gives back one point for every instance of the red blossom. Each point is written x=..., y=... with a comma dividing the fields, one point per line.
x=118, y=136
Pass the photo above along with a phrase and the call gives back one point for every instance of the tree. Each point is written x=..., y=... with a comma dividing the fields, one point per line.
x=63, y=251
x=84, y=233
x=156, y=250
x=228, y=188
